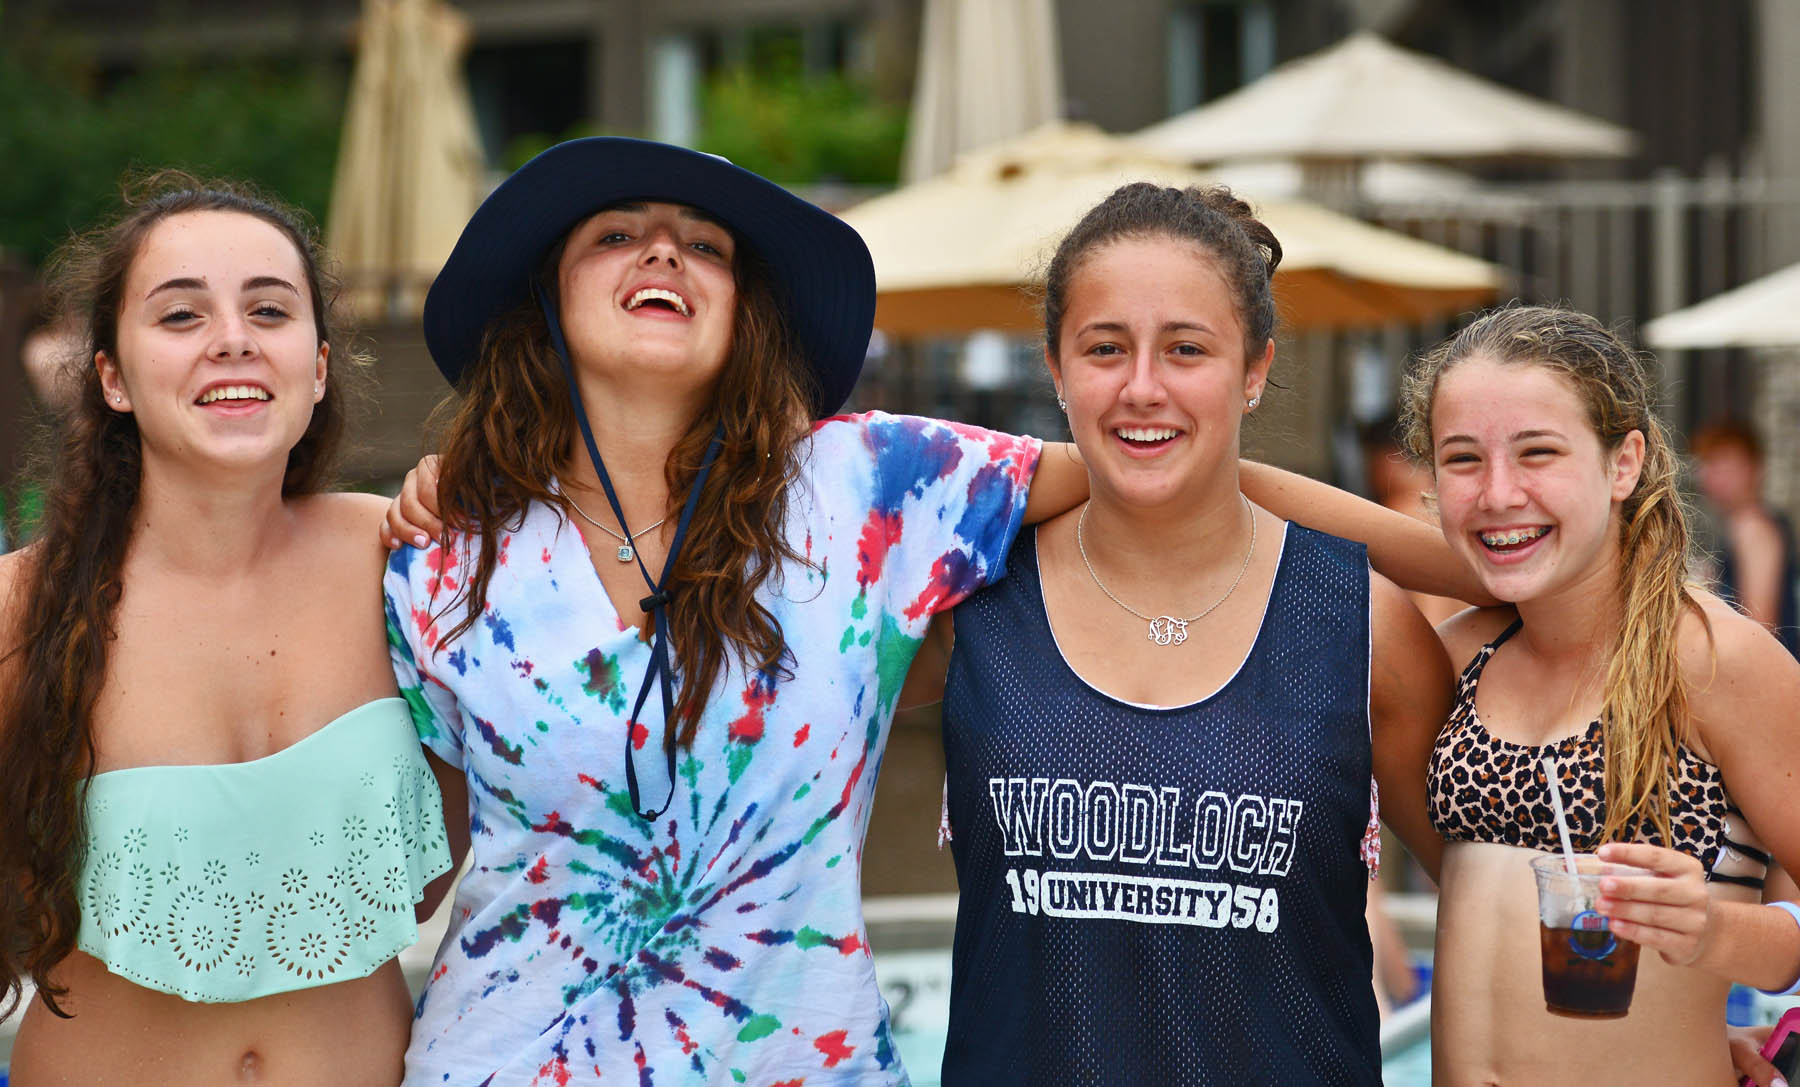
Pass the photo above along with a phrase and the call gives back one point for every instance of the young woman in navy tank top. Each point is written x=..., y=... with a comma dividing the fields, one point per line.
x=1158, y=728
x=1669, y=714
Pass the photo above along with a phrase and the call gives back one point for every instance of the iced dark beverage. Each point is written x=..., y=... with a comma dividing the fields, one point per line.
x=1589, y=972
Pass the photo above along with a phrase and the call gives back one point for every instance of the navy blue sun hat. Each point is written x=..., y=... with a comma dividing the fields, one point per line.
x=824, y=279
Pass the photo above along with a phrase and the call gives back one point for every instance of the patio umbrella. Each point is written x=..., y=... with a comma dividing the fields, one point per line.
x=952, y=253
x=987, y=72
x=1762, y=313
x=410, y=170
x=1366, y=98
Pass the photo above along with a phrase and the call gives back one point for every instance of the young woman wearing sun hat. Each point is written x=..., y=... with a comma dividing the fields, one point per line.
x=661, y=639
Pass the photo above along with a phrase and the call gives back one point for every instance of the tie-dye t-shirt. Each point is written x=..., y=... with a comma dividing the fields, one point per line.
x=724, y=943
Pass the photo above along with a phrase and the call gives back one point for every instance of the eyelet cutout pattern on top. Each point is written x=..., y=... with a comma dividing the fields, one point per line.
x=229, y=882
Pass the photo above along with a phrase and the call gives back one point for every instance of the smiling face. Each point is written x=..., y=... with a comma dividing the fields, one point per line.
x=1527, y=494
x=218, y=355
x=1150, y=359
x=648, y=291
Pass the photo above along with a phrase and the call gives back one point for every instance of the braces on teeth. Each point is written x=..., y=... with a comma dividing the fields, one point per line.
x=1514, y=536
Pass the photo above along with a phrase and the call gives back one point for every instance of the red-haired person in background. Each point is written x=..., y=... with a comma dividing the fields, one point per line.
x=1755, y=562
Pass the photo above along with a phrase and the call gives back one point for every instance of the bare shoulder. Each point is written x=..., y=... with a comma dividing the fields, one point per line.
x=1468, y=630
x=343, y=529
x=1726, y=657
x=1389, y=604
x=346, y=508
x=1741, y=683
x=1402, y=635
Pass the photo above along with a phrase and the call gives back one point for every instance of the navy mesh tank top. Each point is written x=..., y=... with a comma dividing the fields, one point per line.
x=1163, y=896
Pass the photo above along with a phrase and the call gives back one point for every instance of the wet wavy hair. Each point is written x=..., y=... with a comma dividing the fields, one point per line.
x=1644, y=712
x=510, y=429
x=64, y=602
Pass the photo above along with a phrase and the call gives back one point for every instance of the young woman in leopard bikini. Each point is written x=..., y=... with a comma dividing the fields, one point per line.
x=1666, y=712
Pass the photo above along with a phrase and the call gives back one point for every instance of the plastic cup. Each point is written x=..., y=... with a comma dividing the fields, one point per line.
x=1589, y=973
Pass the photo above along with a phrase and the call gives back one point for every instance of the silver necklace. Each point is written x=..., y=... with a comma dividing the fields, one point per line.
x=1166, y=629
x=625, y=552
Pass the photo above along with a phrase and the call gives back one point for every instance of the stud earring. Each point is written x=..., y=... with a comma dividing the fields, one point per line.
x=1251, y=405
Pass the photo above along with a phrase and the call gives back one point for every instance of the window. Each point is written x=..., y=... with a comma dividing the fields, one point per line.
x=1215, y=47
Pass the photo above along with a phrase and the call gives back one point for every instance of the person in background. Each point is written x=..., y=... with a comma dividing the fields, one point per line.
x=216, y=822
x=1756, y=566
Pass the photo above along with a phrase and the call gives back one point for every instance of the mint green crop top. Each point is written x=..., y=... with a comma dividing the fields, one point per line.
x=240, y=880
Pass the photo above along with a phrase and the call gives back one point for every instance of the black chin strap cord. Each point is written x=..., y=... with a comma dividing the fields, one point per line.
x=661, y=672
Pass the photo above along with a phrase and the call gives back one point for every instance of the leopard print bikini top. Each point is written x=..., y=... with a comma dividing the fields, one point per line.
x=1484, y=789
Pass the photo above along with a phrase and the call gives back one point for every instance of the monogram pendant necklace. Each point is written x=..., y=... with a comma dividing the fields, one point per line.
x=1165, y=629
x=625, y=552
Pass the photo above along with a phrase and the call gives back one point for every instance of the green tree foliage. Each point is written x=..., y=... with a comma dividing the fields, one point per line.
x=797, y=129
x=67, y=140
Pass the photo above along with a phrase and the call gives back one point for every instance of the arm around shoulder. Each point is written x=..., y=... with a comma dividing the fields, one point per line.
x=1059, y=485
x=1403, y=548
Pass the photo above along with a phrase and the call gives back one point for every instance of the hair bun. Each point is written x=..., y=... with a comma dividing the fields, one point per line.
x=1220, y=198
x=1245, y=250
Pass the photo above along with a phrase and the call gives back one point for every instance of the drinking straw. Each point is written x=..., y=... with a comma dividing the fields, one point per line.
x=1562, y=821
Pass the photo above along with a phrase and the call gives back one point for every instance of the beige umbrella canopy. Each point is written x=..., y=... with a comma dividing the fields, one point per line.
x=1365, y=98
x=952, y=253
x=1762, y=313
x=410, y=170
x=987, y=72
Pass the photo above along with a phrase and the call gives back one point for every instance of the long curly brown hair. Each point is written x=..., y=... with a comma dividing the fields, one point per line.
x=71, y=581
x=511, y=429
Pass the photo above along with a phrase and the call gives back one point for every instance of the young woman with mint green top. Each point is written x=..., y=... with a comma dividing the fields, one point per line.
x=216, y=822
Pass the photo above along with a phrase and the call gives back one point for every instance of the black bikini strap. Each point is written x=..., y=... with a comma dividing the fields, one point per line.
x=1517, y=625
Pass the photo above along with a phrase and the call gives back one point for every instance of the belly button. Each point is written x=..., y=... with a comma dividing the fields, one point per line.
x=250, y=1068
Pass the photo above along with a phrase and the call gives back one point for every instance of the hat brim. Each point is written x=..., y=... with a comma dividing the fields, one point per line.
x=823, y=276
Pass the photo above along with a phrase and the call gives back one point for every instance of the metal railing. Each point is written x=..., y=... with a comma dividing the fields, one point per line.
x=1625, y=251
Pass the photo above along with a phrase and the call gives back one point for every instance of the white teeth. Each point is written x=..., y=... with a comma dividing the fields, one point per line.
x=234, y=392
x=1147, y=434
x=651, y=294
x=1512, y=536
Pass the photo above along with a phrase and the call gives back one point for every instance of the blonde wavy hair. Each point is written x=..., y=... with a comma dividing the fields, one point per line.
x=1644, y=709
